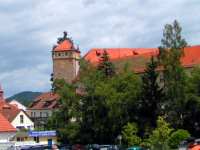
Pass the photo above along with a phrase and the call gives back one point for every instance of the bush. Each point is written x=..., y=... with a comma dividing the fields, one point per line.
x=129, y=134
x=176, y=137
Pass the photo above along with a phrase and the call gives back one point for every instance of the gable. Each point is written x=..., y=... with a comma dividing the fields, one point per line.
x=26, y=118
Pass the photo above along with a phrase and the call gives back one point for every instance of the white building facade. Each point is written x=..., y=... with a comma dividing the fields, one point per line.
x=22, y=120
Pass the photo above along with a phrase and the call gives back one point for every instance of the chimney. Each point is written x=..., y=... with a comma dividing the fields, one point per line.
x=1, y=93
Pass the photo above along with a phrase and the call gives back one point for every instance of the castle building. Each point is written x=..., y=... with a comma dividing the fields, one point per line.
x=65, y=59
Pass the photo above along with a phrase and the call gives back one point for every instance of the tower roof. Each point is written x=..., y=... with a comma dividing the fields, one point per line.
x=65, y=45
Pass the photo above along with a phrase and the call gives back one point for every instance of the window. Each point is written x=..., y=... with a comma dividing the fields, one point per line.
x=21, y=119
x=40, y=114
x=47, y=114
x=36, y=139
x=34, y=114
x=31, y=114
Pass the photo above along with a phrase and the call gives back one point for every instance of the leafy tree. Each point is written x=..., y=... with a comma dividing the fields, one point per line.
x=151, y=95
x=192, y=105
x=62, y=119
x=105, y=102
x=194, y=82
x=176, y=137
x=105, y=65
x=170, y=53
x=160, y=135
x=129, y=134
x=191, y=115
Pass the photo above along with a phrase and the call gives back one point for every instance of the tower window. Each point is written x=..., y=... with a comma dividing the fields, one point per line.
x=70, y=53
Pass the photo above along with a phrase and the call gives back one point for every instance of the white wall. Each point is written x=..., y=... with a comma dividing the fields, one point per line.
x=6, y=136
x=27, y=123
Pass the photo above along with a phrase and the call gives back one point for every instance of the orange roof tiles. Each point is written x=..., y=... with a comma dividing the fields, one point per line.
x=191, y=57
x=46, y=100
x=9, y=111
x=118, y=53
x=5, y=125
x=64, y=46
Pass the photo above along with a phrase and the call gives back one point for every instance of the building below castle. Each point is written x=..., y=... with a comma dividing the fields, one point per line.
x=17, y=117
x=42, y=108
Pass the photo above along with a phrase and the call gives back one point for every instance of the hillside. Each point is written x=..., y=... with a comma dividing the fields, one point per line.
x=25, y=97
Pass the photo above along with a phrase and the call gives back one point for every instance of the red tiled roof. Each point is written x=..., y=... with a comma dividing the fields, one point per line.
x=118, y=53
x=191, y=57
x=9, y=111
x=65, y=45
x=46, y=100
x=5, y=125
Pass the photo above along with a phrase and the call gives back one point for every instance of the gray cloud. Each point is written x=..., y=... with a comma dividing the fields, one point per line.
x=29, y=29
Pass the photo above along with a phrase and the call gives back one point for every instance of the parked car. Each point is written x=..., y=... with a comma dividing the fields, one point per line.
x=92, y=147
x=183, y=145
x=108, y=147
x=78, y=147
x=135, y=148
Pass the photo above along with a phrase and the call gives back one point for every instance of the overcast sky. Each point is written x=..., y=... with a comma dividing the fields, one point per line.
x=29, y=28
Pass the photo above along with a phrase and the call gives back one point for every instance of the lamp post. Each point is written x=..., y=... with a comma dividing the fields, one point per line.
x=119, y=137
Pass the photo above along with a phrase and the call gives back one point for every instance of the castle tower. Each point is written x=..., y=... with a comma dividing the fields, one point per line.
x=65, y=59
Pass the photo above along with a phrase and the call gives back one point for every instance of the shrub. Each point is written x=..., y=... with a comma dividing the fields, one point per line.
x=176, y=137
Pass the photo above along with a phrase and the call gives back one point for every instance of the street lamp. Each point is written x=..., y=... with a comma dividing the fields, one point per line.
x=119, y=137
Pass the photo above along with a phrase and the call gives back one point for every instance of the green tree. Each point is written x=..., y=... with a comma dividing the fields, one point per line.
x=159, y=137
x=174, y=77
x=105, y=65
x=151, y=95
x=129, y=134
x=194, y=82
x=62, y=118
x=176, y=137
x=192, y=105
x=105, y=102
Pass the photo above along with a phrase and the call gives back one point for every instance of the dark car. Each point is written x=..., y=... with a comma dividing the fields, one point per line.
x=135, y=148
x=78, y=147
x=40, y=147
